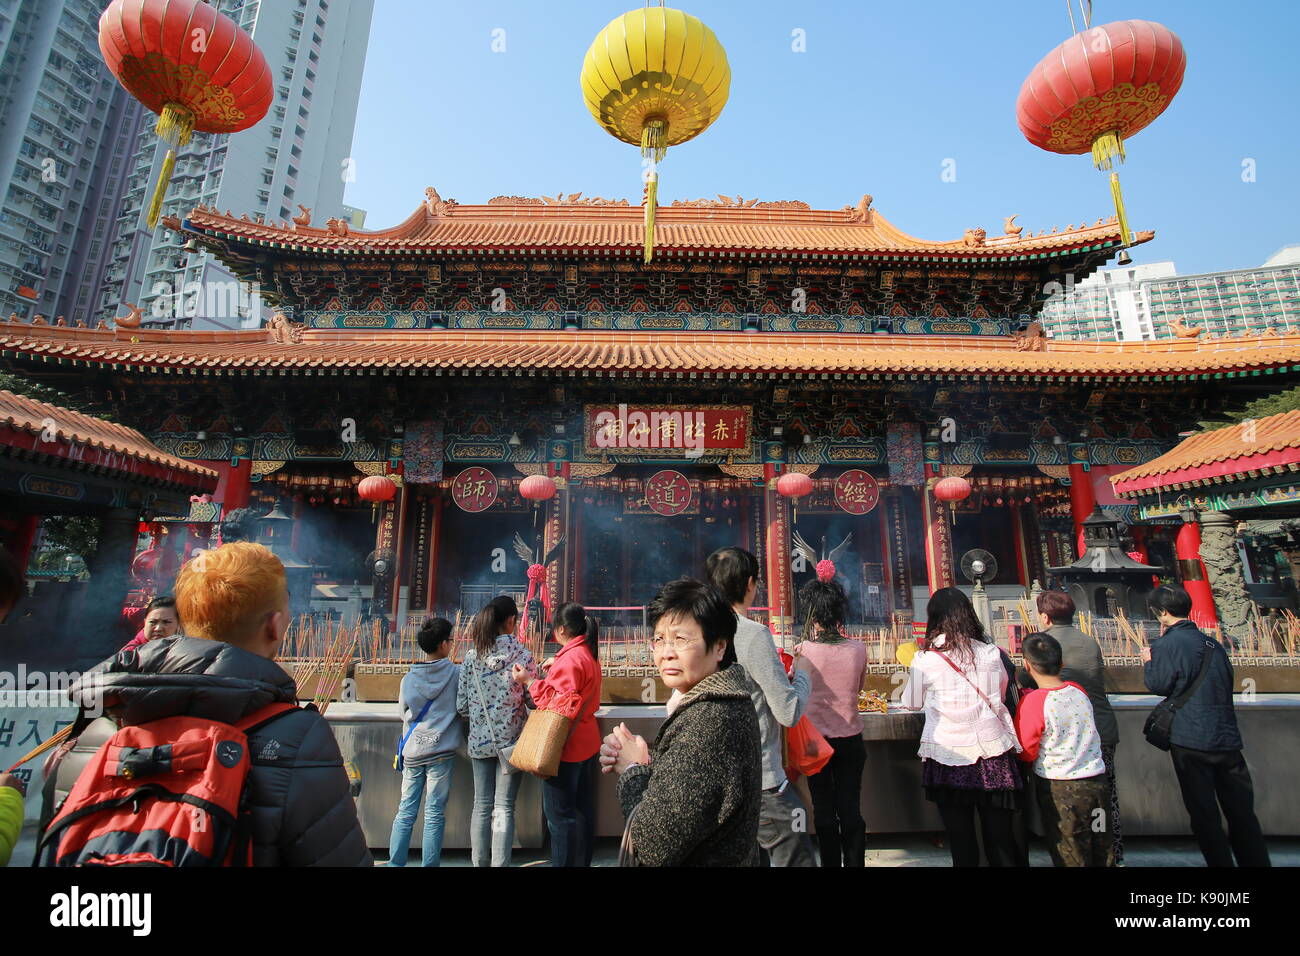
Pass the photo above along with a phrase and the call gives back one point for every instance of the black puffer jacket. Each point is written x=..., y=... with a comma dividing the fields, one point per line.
x=1207, y=721
x=697, y=803
x=303, y=812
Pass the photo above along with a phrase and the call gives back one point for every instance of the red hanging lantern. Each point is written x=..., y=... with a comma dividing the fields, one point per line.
x=1098, y=87
x=952, y=489
x=794, y=484
x=191, y=65
x=376, y=488
x=537, y=488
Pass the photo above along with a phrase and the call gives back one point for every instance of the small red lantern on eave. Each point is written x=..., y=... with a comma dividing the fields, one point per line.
x=537, y=488
x=794, y=484
x=952, y=488
x=376, y=488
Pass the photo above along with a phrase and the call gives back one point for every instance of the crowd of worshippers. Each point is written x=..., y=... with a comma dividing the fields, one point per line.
x=1005, y=751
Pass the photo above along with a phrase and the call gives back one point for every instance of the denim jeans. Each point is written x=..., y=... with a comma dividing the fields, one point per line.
x=437, y=777
x=569, y=801
x=493, y=822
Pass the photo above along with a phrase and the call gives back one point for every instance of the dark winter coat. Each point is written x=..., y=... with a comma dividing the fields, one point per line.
x=697, y=802
x=302, y=806
x=1207, y=721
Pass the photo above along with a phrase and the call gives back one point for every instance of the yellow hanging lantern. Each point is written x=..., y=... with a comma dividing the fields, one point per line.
x=655, y=77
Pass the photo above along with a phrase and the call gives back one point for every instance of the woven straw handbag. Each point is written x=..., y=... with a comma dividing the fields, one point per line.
x=538, y=749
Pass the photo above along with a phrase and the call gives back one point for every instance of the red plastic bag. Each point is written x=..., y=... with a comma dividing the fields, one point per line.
x=806, y=750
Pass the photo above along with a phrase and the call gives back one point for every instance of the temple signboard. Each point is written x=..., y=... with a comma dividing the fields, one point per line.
x=668, y=431
x=474, y=489
x=668, y=493
x=856, y=492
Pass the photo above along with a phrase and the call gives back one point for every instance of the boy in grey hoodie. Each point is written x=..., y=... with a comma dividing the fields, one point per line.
x=431, y=732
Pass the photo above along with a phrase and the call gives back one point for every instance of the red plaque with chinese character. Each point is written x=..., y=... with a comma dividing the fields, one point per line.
x=474, y=489
x=856, y=491
x=668, y=493
x=668, y=431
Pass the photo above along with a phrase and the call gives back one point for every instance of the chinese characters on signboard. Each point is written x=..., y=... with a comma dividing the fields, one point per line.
x=474, y=489
x=668, y=493
x=677, y=431
x=856, y=492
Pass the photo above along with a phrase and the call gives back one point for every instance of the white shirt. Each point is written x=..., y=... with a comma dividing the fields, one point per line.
x=960, y=728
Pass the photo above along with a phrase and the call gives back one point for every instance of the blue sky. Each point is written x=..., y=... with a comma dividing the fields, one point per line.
x=883, y=95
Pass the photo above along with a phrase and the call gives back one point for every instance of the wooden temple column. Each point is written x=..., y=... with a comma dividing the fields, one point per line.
x=1029, y=544
x=424, y=525
x=1082, y=499
x=401, y=500
x=776, y=521
x=235, y=484
x=894, y=556
x=557, y=514
x=385, y=548
x=23, y=537
x=938, y=536
x=1187, y=546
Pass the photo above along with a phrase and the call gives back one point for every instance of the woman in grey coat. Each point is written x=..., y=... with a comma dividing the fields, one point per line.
x=693, y=798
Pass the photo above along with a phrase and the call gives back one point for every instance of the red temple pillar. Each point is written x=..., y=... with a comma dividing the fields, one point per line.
x=776, y=519
x=1188, y=548
x=1082, y=501
x=399, y=552
x=555, y=510
x=938, y=537
x=235, y=485
x=22, y=539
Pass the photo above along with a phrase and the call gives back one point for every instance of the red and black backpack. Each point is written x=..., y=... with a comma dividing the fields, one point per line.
x=171, y=792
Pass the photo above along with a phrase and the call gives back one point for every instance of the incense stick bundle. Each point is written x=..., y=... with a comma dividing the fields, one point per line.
x=49, y=744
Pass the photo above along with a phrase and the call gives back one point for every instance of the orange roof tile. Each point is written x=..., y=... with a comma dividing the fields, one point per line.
x=642, y=352
x=64, y=433
x=771, y=227
x=1224, y=454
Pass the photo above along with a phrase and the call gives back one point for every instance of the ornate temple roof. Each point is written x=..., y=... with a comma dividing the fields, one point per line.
x=1251, y=449
x=85, y=441
x=692, y=227
x=646, y=354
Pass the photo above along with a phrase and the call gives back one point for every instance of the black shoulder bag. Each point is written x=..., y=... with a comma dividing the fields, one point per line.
x=1160, y=722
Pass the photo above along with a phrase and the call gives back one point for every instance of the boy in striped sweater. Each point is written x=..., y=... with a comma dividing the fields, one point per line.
x=1059, y=735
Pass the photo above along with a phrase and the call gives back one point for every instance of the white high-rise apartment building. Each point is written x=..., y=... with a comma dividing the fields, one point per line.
x=1109, y=304
x=1147, y=302
x=67, y=130
x=299, y=154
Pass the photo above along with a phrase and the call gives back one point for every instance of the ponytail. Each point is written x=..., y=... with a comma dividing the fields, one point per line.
x=486, y=626
x=573, y=618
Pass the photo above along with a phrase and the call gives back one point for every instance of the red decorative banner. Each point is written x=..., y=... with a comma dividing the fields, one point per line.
x=856, y=492
x=677, y=431
x=474, y=489
x=938, y=541
x=668, y=493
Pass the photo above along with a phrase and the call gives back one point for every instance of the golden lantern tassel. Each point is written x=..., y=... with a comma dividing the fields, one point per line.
x=653, y=135
x=175, y=124
x=1107, y=153
x=1118, y=197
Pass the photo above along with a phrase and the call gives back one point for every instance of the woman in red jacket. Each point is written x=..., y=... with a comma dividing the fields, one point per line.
x=571, y=687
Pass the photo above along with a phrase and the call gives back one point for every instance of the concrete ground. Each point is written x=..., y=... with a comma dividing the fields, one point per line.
x=912, y=849
x=902, y=849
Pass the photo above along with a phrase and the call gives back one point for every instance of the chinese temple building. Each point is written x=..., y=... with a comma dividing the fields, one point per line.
x=472, y=346
x=1222, y=485
x=56, y=461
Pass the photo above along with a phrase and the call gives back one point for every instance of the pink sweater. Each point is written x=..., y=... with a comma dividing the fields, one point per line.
x=837, y=671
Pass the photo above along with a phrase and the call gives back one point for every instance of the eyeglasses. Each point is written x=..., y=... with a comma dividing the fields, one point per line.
x=678, y=644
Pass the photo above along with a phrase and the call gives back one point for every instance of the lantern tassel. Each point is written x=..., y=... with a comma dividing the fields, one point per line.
x=653, y=145
x=1125, y=237
x=1107, y=153
x=175, y=125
